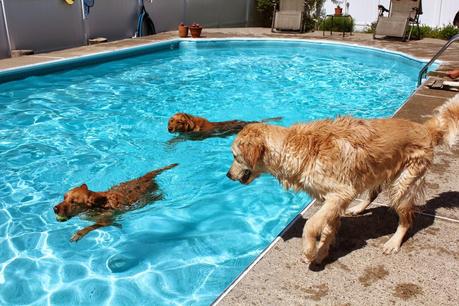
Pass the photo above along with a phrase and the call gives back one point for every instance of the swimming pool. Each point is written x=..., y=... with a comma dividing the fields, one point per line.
x=107, y=123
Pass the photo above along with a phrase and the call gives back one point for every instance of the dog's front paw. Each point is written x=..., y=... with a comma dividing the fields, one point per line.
x=310, y=254
x=305, y=260
x=392, y=246
x=355, y=210
x=77, y=236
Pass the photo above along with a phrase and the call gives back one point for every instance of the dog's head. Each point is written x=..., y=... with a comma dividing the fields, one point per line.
x=78, y=200
x=248, y=149
x=181, y=123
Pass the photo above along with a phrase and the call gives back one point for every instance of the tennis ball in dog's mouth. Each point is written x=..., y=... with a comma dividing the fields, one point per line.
x=61, y=218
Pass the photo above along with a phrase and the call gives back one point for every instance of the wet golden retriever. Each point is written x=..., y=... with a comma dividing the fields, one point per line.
x=102, y=207
x=336, y=160
x=198, y=128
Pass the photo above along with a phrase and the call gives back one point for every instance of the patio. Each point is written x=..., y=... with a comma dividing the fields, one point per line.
x=425, y=271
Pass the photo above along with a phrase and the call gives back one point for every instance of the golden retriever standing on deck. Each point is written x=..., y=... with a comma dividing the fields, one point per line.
x=336, y=160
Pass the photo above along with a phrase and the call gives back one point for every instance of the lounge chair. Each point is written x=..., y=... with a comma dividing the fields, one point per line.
x=401, y=15
x=289, y=17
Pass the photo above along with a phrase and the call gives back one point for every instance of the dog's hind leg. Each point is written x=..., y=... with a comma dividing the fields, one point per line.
x=404, y=192
x=371, y=195
x=323, y=225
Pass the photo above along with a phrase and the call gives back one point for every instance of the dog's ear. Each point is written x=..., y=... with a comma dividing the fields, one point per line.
x=84, y=187
x=96, y=199
x=189, y=123
x=251, y=144
x=252, y=153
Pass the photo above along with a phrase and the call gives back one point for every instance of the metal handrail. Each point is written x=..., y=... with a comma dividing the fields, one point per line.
x=424, y=69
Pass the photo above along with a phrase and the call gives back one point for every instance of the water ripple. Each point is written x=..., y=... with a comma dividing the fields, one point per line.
x=108, y=123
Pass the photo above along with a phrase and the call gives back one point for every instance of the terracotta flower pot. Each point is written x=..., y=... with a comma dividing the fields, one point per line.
x=338, y=11
x=182, y=30
x=195, y=30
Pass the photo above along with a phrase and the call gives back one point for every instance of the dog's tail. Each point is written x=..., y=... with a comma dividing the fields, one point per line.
x=272, y=119
x=444, y=126
x=158, y=171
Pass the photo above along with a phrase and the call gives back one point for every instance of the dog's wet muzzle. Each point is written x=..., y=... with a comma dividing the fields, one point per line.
x=245, y=177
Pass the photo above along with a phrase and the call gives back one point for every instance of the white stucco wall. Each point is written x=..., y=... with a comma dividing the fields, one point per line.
x=436, y=12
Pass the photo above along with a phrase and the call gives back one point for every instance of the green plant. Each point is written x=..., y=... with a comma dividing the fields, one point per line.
x=313, y=11
x=448, y=31
x=427, y=31
x=263, y=5
x=371, y=28
x=445, y=32
x=265, y=8
x=340, y=24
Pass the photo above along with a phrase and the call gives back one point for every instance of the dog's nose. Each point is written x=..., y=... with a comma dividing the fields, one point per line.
x=228, y=174
x=245, y=177
x=55, y=209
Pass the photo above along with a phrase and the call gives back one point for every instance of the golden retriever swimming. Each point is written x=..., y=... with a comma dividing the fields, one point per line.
x=336, y=160
x=104, y=206
x=198, y=128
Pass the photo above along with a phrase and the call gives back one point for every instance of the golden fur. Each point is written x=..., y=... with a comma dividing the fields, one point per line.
x=336, y=160
x=201, y=127
x=103, y=206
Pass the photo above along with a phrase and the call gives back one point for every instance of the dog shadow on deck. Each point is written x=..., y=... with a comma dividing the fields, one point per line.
x=375, y=222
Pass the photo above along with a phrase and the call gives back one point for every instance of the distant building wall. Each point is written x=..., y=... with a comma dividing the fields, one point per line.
x=4, y=47
x=216, y=13
x=435, y=12
x=113, y=19
x=167, y=14
x=44, y=25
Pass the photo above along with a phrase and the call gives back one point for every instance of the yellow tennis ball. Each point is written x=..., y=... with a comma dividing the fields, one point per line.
x=69, y=1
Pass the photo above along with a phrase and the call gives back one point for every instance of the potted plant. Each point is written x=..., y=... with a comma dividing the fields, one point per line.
x=195, y=30
x=182, y=30
x=338, y=9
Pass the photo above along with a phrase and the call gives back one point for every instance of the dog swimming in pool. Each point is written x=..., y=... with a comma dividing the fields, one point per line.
x=191, y=127
x=336, y=160
x=103, y=207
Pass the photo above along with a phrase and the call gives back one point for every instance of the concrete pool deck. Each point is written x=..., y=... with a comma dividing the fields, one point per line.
x=425, y=271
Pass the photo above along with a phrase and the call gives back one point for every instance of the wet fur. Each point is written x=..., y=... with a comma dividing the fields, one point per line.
x=197, y=128
x=336, y=160
x=104, y=206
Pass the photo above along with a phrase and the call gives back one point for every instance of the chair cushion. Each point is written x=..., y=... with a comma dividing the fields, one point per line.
x=288, y=20
x=391, y=26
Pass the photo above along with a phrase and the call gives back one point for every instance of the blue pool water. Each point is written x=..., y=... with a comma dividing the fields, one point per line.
x=106, y=123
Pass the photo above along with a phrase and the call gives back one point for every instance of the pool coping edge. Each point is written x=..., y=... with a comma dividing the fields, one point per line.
x=262, y=254
x=66, y=63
